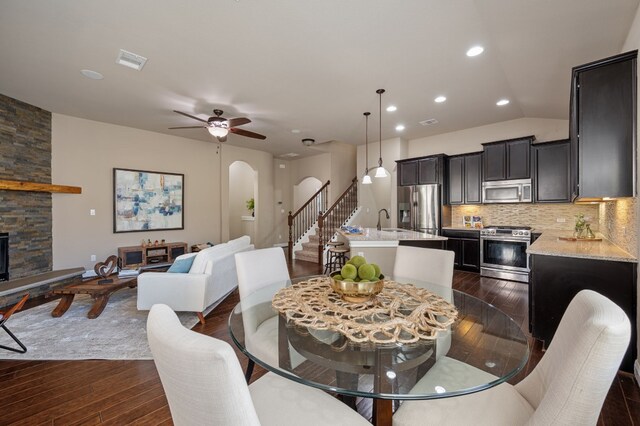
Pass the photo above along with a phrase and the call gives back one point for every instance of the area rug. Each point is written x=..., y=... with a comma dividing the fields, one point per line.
x=120, y=332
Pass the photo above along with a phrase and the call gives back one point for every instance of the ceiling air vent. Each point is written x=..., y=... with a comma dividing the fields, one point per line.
x=131, y=60
x=429, y=122
x=289, y=155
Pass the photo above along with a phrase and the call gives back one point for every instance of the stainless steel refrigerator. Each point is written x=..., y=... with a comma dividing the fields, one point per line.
x=420, y=208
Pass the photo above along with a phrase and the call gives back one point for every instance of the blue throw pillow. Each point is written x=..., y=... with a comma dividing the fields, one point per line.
x=182, y=265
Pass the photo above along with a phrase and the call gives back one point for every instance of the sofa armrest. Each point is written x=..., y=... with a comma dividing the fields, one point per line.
x=181, y=292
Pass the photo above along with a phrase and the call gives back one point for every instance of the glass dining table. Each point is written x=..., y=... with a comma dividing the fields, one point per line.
x=482, y=348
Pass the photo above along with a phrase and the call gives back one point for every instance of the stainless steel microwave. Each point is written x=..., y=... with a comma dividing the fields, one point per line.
x=507, y=191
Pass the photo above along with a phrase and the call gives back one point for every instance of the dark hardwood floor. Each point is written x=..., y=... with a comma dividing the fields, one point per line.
x=130, y=392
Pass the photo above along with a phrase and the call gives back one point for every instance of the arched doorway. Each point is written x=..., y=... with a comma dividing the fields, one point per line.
x=243, y=186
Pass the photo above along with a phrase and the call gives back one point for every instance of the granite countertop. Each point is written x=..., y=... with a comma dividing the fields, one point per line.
x=374, y=238
x=549, y=244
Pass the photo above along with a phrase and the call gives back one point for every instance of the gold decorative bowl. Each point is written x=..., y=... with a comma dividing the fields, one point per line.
x=356, y=292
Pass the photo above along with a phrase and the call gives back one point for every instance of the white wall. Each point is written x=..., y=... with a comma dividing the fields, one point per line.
x=470, y=140
x=371, y=197
x=632, y=43
x=283, y=199
x=84, y=154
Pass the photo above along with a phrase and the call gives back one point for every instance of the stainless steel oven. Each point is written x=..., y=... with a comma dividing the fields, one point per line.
x=503, y=252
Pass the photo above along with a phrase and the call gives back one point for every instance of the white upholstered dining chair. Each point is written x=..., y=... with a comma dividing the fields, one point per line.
x=257, y=269
x=203, y=382
x=424, y=264
x=432, y=266
x=567, y=387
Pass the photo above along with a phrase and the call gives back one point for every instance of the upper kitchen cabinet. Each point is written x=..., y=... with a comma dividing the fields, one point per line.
x=421, y=171
x=508, y=159
x=603, y=128
x=465, y=179
x=551, y=177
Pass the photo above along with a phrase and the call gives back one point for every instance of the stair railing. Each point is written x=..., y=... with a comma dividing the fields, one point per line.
x=305, y=217
x=335, y=216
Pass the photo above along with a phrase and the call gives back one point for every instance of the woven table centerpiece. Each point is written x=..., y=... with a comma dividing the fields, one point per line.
x=400, y=313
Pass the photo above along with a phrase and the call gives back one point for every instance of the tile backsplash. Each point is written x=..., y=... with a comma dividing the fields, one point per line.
x=618, y=223
x=538, y=216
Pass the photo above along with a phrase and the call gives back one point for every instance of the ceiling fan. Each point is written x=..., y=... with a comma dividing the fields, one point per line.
x=220, y=127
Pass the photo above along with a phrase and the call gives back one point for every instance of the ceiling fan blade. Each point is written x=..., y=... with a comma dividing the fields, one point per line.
x=233, y=122
x=190, y=116
x=247, y=133
x=221, y=138
x=189, y=127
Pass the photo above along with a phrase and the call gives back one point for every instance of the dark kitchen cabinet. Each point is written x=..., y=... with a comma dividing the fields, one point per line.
x=603, y=128
x=465, y=179
x=551, y=173
x=507, y=159
x=407, y=173
x=421, y=171
x=555, y=280
x=466, y=246
x=428, y=171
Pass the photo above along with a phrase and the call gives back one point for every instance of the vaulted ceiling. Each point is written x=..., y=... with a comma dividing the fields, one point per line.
x=306, y=65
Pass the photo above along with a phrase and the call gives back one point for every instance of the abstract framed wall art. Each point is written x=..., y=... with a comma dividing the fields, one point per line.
x=147, y=201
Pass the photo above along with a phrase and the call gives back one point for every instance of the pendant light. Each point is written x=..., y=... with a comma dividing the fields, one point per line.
x=366, y=179
x=380, y=171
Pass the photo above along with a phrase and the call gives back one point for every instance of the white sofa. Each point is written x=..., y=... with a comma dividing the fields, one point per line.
x=212, y=277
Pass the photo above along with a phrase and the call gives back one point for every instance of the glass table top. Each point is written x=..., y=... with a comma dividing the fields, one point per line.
x=482, y=348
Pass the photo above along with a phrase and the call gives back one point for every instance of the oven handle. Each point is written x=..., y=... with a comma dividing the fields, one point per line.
x=512, y=240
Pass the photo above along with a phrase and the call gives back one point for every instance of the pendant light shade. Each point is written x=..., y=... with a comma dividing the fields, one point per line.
x=366, y=179
x=380, y=171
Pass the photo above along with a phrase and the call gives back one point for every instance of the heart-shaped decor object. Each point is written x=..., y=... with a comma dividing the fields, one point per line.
x=104, y=269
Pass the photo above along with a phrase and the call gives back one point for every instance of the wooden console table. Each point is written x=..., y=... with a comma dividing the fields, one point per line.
x=137, y=256
x=99, y=292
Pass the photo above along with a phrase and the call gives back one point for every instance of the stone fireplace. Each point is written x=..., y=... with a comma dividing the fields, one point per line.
x=26, y=218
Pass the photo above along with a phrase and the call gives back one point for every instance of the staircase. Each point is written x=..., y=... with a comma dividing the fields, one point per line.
x=309, y=251
x=307, y=237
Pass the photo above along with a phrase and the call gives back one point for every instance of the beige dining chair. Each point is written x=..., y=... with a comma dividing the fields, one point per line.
x=432, y=266
x=257, y=269
x=424, y=264
x=567, y=387
x=203, y=382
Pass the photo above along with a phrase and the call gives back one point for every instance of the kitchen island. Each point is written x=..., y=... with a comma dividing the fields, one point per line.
x=380, y=246
x=560, y=269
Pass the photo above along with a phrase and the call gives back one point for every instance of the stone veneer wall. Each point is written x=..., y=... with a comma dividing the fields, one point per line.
x=25, y=154
x=538, y=216
x=618, y=222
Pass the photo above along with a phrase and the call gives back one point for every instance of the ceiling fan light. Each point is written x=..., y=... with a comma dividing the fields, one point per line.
x=218, y=131
x=366, y=180
x=381, y=172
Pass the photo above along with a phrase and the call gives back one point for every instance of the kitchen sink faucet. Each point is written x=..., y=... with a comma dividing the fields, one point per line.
x=378, y=227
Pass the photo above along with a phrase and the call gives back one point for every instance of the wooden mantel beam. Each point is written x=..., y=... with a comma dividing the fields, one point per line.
x=15, y=185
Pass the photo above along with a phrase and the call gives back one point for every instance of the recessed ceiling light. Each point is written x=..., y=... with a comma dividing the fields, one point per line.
x=93, y=75
x=391, y=108
x=502, y=102
x=400, y=127
x=475, y=51
x=131, y=60
x=440, y=99
x=295, y=131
